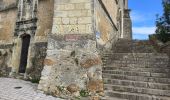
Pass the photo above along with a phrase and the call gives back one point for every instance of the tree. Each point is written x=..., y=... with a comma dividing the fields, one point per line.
x=163, y=23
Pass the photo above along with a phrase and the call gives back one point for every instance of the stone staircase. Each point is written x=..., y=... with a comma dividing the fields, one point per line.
x=128, y=46
x=133, y=75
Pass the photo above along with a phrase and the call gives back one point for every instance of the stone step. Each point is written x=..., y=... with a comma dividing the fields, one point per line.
x=141, y=55
x=134, y=50
x=141, y=84
x=154, y=70
x=132, y=73
x=140, y=62
x=137, y=78
x=147, y=58
x=132, y=89
x=135, y=96
x=110, y=98
x=139, y=65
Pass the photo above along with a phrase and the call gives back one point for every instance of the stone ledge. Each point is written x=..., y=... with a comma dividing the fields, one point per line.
x=77, y=36
x=11, y=6
x=6, y=46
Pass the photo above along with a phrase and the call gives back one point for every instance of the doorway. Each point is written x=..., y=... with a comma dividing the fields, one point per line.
x=24, y=53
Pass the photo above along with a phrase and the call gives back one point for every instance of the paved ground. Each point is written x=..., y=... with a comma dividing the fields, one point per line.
x=14, y=89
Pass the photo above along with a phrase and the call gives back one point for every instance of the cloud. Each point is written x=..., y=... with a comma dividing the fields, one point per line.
x=139, y=17
x=144, y=30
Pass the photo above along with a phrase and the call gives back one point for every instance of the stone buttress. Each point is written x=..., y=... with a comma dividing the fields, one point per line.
x=72, y=65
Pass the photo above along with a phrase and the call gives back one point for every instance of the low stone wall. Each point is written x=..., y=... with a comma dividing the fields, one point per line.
x=5, y=58
x=166, y=48
x=160, y=46
x=72, y=69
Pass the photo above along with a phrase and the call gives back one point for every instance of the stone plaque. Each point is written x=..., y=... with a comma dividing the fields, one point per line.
x=72, y=37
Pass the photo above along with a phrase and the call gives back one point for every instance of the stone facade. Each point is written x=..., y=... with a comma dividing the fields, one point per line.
x=59, y=42
x=106, y=23
x=8, y=15
x=37, y=24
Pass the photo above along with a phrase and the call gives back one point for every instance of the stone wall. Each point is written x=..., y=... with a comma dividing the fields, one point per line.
x=72, y=65
x=166, y=49
x=106, y=30
x=5, y=59
x=112, y=8
x=45, y=20
x=8, y=14
x=72, y=17
x=7, y=20
x=160, y=46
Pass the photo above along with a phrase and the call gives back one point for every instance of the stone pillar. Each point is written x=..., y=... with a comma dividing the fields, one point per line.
x=16, y=55
x=127, y=25
x=73, y=67
x=126, y=4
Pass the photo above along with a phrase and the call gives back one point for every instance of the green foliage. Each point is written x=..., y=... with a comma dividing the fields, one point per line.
x=163, y=23
x=1, y=75
x=34, y=80
x=60, y=88
x=84, y=93
x=163, y=37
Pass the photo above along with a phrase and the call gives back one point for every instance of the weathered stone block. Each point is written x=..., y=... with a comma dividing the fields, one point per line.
x=84, y=20
x=73, y=20
x=59, y=7
x=94, y=98
x=90, y=62
x=73, y=88
x=84, y=12
x=57, y=21
x=49, y=62
x=89, y=28
x=95, y=86
x=69, y=6
x=74, y=13
x=65, y=20
x=81, y=29
x=60, y=13
x=88, y=5
x=80, y=6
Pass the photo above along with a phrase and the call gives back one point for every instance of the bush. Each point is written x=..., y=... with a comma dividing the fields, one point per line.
x=84, y=93
x=163, y=37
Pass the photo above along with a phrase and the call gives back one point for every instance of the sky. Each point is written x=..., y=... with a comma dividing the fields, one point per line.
x=143, y=15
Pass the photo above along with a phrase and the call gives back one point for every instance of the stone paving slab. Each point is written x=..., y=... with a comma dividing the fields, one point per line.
x=15, y=89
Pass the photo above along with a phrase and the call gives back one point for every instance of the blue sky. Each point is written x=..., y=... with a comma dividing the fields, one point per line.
x=143, y=14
